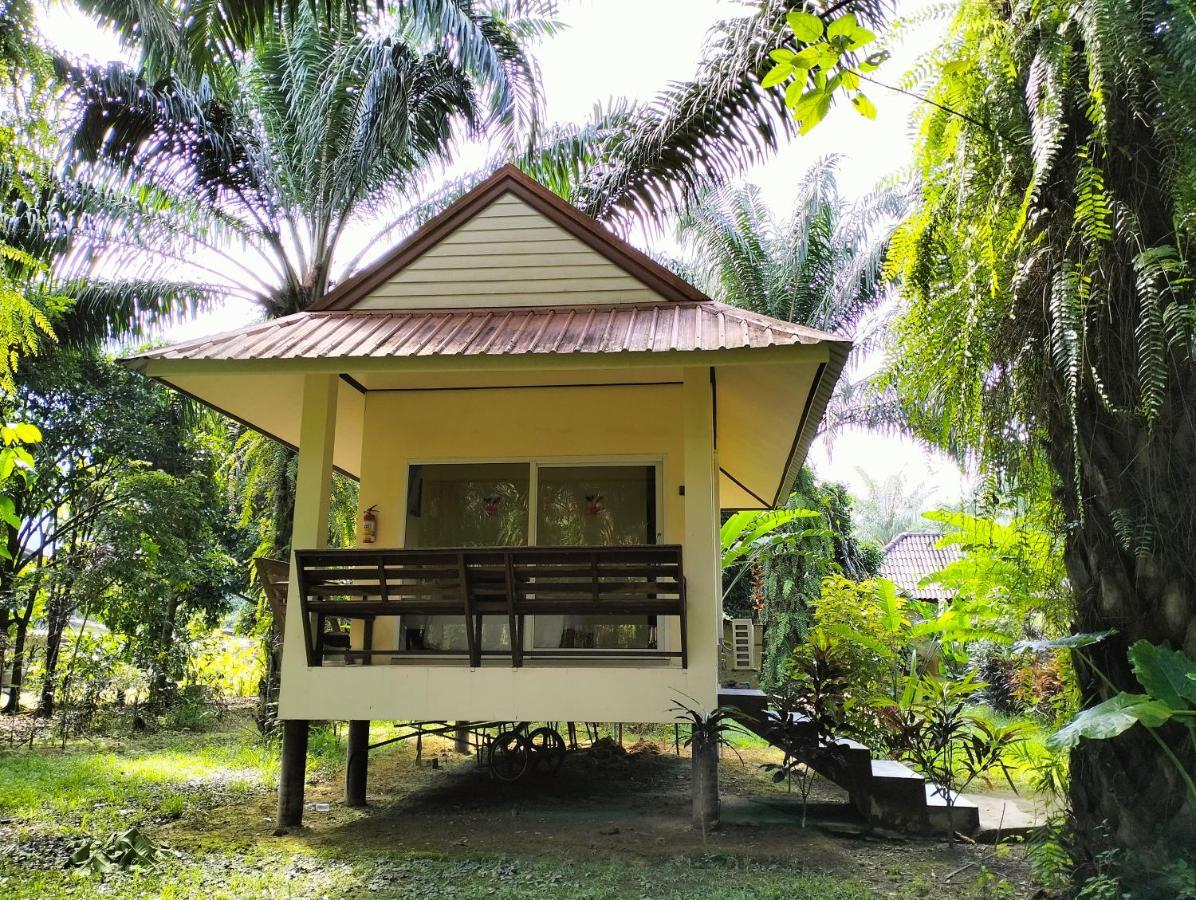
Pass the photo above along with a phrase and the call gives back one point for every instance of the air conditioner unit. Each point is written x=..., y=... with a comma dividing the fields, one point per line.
x=742, y=645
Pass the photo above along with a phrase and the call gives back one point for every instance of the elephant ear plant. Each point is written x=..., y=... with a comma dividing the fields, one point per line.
x=1168, y=679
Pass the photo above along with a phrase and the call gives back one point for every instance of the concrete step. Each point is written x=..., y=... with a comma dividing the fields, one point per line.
x=898, y=795
x=885, y=791
x=964, y=815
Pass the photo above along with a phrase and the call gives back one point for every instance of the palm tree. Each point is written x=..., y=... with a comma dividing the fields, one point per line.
x=248, y=182
x=1048, y=272
x=822, y=266
x=890, y=506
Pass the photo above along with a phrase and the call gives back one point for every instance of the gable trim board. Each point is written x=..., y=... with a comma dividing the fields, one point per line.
x=510, y=181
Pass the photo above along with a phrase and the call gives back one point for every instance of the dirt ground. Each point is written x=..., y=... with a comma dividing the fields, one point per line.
x=632, y=809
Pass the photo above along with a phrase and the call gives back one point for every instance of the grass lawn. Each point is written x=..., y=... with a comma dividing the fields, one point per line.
x=441, y=828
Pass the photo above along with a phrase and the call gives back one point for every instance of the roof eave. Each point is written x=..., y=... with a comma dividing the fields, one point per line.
x=822, y=352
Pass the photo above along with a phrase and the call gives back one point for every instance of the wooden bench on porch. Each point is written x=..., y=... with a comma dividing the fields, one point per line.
x=476, y=583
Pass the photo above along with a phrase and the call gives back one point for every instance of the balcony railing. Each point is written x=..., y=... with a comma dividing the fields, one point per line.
x=479, y=583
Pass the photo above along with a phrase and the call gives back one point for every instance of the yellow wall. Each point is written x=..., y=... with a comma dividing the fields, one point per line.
x=640, y=423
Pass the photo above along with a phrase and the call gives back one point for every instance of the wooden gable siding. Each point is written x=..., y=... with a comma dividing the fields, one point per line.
x=509, y=254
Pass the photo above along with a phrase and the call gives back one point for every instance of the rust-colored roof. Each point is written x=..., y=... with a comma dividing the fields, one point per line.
x=614, y=328
x=911, y=557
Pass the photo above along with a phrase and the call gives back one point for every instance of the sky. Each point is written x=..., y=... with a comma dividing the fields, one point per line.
x=632, y=48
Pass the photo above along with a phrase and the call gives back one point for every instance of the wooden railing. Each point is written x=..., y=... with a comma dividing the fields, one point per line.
x=477, y=583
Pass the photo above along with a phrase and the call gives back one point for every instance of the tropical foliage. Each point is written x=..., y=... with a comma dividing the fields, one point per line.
x=822, y=266
x=1048, y=270
x=781, y=585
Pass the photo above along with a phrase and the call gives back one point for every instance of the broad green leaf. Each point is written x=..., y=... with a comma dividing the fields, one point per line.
x=807, y=58
x=807, y=27
x=842, y=26
x=828, y=56
x=744, y=532
x=814, y=113
x=8, y=512
x=776, y=75
x=793, y=92
x=1165, y=674
x=1109, y=719
x=859, y=38
x=864, y=106
x=27, y=433
x=782, y=55
x=1071, y=642
x=958, y=66
x=851, y=80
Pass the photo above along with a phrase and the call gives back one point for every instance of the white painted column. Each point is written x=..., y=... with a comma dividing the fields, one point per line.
x=313, y=488
x=701, y=556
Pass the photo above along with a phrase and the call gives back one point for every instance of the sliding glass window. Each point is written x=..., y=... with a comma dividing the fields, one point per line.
x=517, y=504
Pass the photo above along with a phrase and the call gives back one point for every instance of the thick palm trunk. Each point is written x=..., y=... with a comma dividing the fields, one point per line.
x=1130, y=501
x=1129, y=786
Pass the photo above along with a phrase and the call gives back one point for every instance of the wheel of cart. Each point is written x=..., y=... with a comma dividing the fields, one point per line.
x=546, y=748
x=507, y=756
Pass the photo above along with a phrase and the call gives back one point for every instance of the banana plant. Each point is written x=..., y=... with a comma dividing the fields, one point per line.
x=748, y=534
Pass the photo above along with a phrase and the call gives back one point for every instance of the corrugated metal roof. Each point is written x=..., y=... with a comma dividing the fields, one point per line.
x=356, y=333
x=912, y=556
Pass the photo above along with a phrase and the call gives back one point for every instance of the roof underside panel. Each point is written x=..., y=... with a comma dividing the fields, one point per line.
x=509, y=254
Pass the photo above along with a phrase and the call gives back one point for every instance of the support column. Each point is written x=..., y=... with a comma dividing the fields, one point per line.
x=291, y=775
x=461, y=738
x=703, y=581
x=704, y=782
x=357, y=764
x=703, y=584
x=313, y=487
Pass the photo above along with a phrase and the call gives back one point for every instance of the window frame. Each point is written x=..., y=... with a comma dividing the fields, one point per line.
x=663, y=635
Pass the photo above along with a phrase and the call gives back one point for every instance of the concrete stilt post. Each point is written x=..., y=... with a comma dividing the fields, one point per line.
x=461, y=738
x=292, y=774
x=357, y=763
x=309, y=530
x=704, y=782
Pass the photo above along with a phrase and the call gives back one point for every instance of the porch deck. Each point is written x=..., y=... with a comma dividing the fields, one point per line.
x=476, y=583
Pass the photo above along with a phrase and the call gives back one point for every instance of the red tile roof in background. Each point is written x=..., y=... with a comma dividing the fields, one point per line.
x=912, y=556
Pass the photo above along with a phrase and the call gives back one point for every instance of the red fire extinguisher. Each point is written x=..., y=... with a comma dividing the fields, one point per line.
x=369, y=521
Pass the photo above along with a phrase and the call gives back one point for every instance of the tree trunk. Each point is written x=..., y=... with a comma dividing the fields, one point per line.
x=165, y=641
x=13, y=704
x=58, y=614
x=284, y=513
x=1126, y=490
